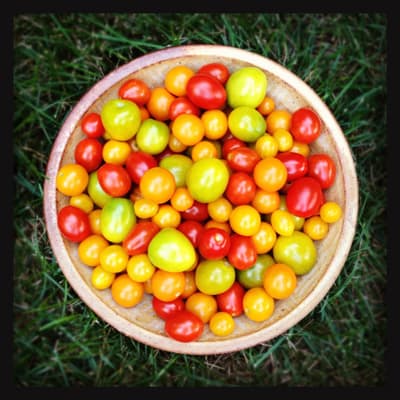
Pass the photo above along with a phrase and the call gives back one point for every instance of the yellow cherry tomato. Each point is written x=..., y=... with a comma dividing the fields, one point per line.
x=203, y=305
x=315, y=227
x=72, y=179
x=101, y=279
x=215, y=124
x=114, y=258
x=145, y=208
x=139, y=268
x=182, y=200
x=284, y=139
x=82, y=201
x=116, y=151
x=301, y=148
x=90, y=248
x=167, y=217
x=298, y=221
x=266, y=146
x=330, y=212
x=177, y=78
x=265, y=238
x=258, y=305
x=188, y=129
x=282, y=222
x=204, y=149
x=221, y=324
x=126, y=292
x=245, y=220
x=220, y=210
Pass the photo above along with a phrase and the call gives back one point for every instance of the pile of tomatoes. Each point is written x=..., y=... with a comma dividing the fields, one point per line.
x=201, y=193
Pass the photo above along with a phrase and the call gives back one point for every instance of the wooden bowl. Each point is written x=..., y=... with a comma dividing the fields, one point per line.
x=289, y=92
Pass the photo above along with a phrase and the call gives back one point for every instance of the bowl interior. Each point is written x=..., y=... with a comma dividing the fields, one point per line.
x=290, y=93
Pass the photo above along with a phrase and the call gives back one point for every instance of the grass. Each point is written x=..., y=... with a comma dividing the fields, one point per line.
x=58, y=341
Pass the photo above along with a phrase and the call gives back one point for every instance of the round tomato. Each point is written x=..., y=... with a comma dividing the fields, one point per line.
x=305, y=125
x=322, y=167
x=126, y=292
x=214, y=243
x=279, y=281
x=178, y=165
x=114, y=179
x=231, y=301
x=304, y=197
x=245, y=220
x=72, y=179
x=270, y=174
x=73, y=223
x=253, y=276
x=222, y=324
x=176, y=79
x=206, y=91
x=241, y=188
x=182, y=105
x=92, y=126
x=242, y=254
x=89, y=153
x=246, y=123
x=157, y=184
x=166, y=285
x=258, y=305
x=197, y=212
x=214, y=276
x=184, y=326
x=201, y=304
x=152, y=136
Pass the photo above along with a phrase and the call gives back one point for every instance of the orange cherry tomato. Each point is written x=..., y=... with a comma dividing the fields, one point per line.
x=266, y=106
x=265, y=202
x=245, y=220
x=177, y=78
x=265, y=238
x=203, y=305
x=258, y=305
x=126, y=292
x=279, y=281
x=278, y=119
x=270, y=174
x=72, y=179
x=157, y=184
x=159, y=103
x=90, y=248
x=167, y=286
x=188, y=129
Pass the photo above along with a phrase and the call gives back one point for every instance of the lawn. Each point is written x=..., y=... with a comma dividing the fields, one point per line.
x=58, y=341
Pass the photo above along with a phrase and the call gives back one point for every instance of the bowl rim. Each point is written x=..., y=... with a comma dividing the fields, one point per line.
x=109, y=315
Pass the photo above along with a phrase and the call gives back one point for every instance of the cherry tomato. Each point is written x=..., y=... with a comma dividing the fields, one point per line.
x=214, y=276
x=137, y=163
x=214, y=243
x=222, y=324
x=266, y=146
x=242, y=159
x=126, y=292
x=270, y=174
x=101, y=279
x=322, y=167
x=304, y=197
x=315, y=227
x=181, y=200
x=178, y=165
x=145, y=208
x=201, y=304
x=114, y=179
x=241, y=188
x=220, y=209
x=305, y=125
x=265, y=202
x=279, y=281
x=246, y=123
x=296, y=164
x=242, y=254
x=138, y=239
x=116, y=151
x=96, y=192
x=82, y=201
x=176, y=79
x=90, y=248
x=135, y=90
x=192, y=229
x=278, y=119
x=152, y=136
x=253, y=276
x=166, y=285
x=197, y=212
x=88, y=153
x=167, y=216
x=266, y=106
x=206, y=91
x=188, y=129
x=217, y=70
x=204, y=149
x=184, y=326
x=114, y=258
x=159, y=103
x=72, y=179
x=258, y=305
x=139, y=268
x=330, y=212
x=231, y=301
x=231, y=144
x=282, y=222
x=92, y=126
x=182, y=105
x=265, y=238
x=73, y=223
x=167, y=309
x=284, y=139
x=157, y=184
x=245, y=220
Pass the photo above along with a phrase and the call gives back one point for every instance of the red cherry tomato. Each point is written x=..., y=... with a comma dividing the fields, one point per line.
x=242, y=254
x=242, y=159
x=114, y=179
x=167, y=309
x=89, y=153
x=214, y=243
x=241, y=188
x=322, y=167
x=206, y=92
x=137, y=163
x=192, y=229
x=217, y=70
x=92, y=125
x=231, y=301
x=229, y=144
x=295, y=163
x=182, y=105
x=138, y=239
x=135, y=90
x=73, y=223
x=184, y=326
x=305, y=125
x=198, y=212
x=304, y=197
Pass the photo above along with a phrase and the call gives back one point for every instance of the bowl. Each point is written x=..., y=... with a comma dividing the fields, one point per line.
x=289, y=92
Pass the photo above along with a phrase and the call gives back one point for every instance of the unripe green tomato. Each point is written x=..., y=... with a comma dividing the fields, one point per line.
x=178, y=165
x=246, y=123
x=96, y=192
x=246, y=87
x=254, y=276
x=152, y=136
x=121, y=118
x=297, y=250
x=207, y=179
x=214, y=276
x=117, y=219
x=171, y=250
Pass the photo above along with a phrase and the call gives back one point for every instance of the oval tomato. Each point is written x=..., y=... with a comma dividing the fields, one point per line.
x=182, y=105
x=137, y=163
x=322, y=167
x=92, y=125
x=73, y=223
x=135, y=90
x=114, y=179
x=197, y=212
x=138, y=239
x=230, y=144
x=206, y=92
x=184, y=326
x=242, y=159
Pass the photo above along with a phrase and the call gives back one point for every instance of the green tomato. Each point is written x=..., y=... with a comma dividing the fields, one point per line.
x=246, y=123
x=96, y=192
x=178, y=165
x=253, y=277
x=117, y=219
x=297, y=250
x=121, y=118
x=246, y=87
x=207, y=179
x=214, y=276
x=171, y=250
x=152, y=136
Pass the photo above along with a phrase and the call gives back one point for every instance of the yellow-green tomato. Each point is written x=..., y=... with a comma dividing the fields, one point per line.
x=297, y=250
x=178, y=165
x=254, y=276
x=246, y=123
x=207, y=179
x=214, y=276
x=96, y=192
x=246, y=87
x=101, y=279
x=170, y=250
x=152, y=136
x=117, y=219
x=121, y=118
